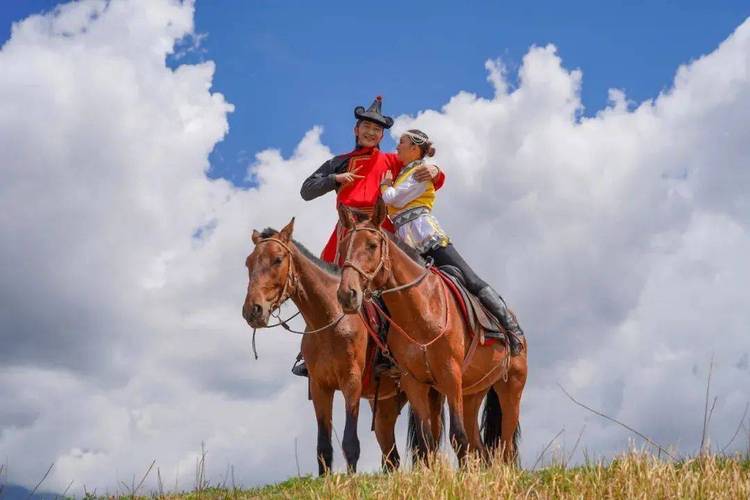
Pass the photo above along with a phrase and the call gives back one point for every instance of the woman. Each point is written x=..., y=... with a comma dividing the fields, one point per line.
x=410, y=209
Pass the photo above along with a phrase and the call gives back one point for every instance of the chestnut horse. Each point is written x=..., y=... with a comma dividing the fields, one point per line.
x=333, y=347
x=429, y=338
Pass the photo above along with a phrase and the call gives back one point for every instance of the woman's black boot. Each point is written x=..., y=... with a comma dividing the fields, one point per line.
x=496, y=305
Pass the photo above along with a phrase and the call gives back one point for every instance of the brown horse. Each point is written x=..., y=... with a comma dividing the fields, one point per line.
x=333, y=347
x=430, y=340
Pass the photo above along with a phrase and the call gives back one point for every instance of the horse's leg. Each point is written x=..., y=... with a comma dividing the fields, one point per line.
x=472, y=404
x=352, y=390
x=450, y=385
x=418, y=395
x=436, y=415
x=385, y=426
x=509, y=394
x=323, y=402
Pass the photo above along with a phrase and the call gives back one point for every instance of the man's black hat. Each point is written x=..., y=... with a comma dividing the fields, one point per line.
x=373, y=114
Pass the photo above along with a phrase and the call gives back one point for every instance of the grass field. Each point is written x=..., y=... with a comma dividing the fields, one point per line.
x=635, y=475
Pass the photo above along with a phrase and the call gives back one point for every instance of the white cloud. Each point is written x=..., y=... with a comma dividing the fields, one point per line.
x=620, y=239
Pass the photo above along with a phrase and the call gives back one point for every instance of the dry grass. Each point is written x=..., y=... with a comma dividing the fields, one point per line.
x=634, y=475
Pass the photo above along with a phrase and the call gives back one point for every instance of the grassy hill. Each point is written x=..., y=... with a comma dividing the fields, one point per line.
x=627, y=477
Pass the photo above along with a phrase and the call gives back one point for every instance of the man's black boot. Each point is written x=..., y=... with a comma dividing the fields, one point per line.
x=496, y=305
x=299, y=368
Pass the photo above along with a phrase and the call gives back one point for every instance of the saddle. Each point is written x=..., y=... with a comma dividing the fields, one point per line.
x=377, y=327
x=477, y=317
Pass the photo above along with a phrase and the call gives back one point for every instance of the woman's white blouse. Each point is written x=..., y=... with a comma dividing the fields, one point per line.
x=400, y=195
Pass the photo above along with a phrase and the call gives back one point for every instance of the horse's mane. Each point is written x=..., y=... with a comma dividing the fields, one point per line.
x=323, y=265
x=360, y=217
x=411, y=252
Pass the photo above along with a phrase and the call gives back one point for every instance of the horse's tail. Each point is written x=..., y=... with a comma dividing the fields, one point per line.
x=492, y=417
x=414, y=442
x=436, y=401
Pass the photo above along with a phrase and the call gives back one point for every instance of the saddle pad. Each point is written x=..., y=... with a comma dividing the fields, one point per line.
x=369, y=371
x=474, y=312
x=376, y=324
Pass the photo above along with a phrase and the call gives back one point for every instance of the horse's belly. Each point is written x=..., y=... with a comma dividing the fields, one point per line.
x=488, y=365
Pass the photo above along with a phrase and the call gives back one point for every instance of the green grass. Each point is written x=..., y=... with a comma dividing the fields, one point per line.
x=634, y=475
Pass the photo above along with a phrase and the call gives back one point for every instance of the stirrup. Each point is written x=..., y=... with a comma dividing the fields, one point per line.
x=299, y=368
x=385, y=368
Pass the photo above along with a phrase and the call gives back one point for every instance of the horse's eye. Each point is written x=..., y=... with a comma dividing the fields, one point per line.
x=372, y=246
x=277, y=261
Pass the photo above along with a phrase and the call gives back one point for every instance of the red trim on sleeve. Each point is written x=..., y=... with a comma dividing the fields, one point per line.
x=439, y=180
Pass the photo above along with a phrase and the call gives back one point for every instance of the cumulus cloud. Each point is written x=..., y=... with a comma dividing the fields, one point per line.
x=619, y=239
x=122, y=275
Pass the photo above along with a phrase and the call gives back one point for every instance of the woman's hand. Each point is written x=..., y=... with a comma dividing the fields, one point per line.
x=387, y=179
x=348, y=177
x=424, y=173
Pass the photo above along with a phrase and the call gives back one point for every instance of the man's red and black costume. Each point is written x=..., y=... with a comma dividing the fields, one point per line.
x=361, y=194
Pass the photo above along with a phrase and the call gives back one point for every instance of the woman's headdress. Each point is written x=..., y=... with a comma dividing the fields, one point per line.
x=417, y=137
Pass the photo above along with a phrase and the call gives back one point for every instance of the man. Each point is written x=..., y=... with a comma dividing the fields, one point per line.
x=356, y=176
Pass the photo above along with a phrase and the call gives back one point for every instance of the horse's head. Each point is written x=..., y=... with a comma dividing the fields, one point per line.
x=271, y=274
x=367, y=263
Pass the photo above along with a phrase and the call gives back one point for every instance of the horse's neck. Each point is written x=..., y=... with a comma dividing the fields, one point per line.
x=403, y=271
x=315, y=295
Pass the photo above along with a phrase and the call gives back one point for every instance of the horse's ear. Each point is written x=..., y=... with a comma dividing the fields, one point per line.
x=378, y=215
x=286, y=233
x=255, y=237
x=346, y=218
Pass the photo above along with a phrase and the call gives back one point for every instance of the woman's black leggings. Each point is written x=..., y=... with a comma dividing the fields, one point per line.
x=449, y=256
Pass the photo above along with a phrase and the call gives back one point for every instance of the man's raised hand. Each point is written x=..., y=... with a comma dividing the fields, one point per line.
x=424, y=173
x=387, y=179
x=348, y=177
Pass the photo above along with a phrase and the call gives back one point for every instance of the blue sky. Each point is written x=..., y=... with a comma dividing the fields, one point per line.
x=121, y=316
x=287, y=66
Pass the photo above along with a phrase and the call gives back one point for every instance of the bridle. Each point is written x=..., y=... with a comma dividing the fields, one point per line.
x=290, y=283
x=290, y=286
x=383, y=264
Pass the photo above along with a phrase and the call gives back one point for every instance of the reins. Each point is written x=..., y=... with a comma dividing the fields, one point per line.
x=415, y=282
x=384, y=263
x=369, y=295
x=422, y=346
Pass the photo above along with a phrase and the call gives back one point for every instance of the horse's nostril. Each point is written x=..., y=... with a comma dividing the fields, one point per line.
x=256, y=311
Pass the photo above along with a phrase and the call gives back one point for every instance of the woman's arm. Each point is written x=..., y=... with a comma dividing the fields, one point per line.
x=437, y=175
x=400, y=195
